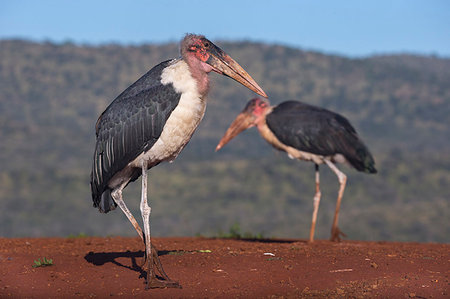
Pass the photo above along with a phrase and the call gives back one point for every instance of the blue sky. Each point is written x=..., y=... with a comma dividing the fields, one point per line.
x=351, y=28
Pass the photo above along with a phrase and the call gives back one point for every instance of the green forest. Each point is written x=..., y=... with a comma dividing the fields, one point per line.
x=52, y=94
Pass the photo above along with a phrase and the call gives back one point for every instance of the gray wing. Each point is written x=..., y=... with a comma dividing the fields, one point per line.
x=129, y=126
x=319, y=131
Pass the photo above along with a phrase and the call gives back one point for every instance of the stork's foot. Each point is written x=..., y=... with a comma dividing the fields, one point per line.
x=156, y=283
x=156, y=263
x=336, y=235
x=142, y=264
x=152, y=281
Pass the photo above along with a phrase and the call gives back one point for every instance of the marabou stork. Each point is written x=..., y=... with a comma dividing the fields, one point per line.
x=151, y=122
x=310, y=133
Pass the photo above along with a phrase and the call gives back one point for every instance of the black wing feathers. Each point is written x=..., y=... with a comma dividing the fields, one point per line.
x=319, y=131
x=130, y=125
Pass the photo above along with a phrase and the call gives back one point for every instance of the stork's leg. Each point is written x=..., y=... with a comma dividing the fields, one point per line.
x=335, y=231
x=151, y=253
x=145, y=212
x=117, y=196
x=316, y=205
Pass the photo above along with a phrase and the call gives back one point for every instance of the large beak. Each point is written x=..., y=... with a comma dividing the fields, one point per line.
x=243, y=121
x=223, y=64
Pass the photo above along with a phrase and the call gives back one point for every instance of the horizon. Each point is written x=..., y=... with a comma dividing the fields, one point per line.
x=300, y=48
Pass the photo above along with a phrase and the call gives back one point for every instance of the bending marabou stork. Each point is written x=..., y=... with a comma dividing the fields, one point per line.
x=310, y=133
x=151, y=122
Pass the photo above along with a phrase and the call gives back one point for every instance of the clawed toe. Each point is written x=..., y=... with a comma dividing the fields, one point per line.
x=156, y=283
x=336, y=235
x=154, y=268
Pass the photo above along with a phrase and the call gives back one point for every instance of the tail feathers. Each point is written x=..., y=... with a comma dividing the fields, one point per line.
x=371, y=169
x=363, y=161
x=106, y=202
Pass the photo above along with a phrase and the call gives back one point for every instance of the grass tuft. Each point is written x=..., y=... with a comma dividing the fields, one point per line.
x=44, y=263
x=235, y=233
x=80, y=235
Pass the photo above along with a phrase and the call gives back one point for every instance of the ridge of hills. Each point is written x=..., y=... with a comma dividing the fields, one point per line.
x=51, y=96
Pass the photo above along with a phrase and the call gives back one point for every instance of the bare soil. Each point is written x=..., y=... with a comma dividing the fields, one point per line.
x=224, y=268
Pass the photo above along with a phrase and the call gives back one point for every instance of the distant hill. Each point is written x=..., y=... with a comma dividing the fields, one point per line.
x=51, y=95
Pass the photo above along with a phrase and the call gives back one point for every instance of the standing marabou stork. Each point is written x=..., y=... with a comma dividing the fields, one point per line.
x=308, y=133
x=151, y=122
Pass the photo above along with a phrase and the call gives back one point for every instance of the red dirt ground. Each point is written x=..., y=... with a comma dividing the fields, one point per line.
x=225, y=268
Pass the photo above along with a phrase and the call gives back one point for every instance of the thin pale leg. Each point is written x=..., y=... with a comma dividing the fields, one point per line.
x=145, y=212
x=150, y=252
x=117, y=196
x=335, y=231
x=316, y=205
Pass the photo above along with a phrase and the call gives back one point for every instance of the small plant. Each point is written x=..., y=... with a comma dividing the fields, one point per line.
x=235, y=233
x=45, y=262
x=204, y=251
x=80, y=235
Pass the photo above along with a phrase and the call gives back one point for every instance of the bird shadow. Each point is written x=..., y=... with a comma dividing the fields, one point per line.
x=101, y=258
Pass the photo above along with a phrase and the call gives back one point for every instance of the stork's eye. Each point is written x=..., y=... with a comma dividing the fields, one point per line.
x=206, y=44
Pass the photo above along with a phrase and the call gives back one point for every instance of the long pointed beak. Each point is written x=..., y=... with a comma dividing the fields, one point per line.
x=242, y=122
x=223, y=64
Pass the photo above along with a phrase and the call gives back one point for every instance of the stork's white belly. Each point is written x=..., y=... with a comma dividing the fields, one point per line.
x=176, y=134
x=183, y=121
x=178, y=128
